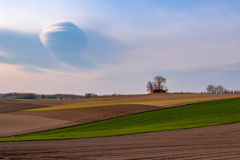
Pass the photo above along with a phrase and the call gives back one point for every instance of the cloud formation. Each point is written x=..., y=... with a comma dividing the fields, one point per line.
x=61, y=43
x=27, y=50
x=60, y=46
x=63, y=38
x=65, y=41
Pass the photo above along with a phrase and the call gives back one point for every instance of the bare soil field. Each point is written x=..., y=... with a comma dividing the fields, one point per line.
x=215, y=142
x=10, y=123
x=15, y=122
x=13, y=107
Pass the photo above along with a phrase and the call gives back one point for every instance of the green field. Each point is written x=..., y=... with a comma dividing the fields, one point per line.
x=188, y=116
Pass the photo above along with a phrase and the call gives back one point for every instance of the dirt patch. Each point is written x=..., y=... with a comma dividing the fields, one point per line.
x=215, y=142
x=16, y=123
x=13, y=107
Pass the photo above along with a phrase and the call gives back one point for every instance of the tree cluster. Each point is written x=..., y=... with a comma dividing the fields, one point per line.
x=62, y=96
x=89, y=95
x=220, y=89
x=157, y=85
x=16, y=95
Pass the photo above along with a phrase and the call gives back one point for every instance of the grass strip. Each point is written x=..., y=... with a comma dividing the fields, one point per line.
x=188, y=116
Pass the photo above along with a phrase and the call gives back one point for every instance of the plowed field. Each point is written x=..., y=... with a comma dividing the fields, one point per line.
x=215, y=142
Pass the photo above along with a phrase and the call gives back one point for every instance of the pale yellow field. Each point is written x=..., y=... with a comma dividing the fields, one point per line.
x=179, y=102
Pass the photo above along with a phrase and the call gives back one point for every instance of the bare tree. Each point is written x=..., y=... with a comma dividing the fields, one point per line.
x=210, y=88
x=219, y=89
x=155, y=86
x=43, y=96
x=159, y=80
x=149, y=86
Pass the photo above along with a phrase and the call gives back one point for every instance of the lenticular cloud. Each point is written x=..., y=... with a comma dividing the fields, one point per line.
x=63, y=38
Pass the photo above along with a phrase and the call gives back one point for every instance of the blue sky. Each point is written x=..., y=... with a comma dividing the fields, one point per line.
x=103, y=46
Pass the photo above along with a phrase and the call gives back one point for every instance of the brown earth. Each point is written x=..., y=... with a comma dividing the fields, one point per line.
x=13, y=107
x=215, y=142
x=11, y=123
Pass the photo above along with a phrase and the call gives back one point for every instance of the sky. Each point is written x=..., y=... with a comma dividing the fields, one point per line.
x=106, y=47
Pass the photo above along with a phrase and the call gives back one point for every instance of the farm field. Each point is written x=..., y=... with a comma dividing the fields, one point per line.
x=48, y=115
x=214, y=142
x=188, y=116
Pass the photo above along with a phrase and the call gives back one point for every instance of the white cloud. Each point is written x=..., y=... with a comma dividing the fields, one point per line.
x=63, y=38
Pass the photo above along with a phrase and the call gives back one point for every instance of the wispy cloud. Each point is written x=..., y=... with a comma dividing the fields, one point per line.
x=63, y=38
x=31, y=69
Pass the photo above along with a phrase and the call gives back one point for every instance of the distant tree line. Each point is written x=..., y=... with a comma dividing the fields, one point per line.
x=220, y=90
x=60, y=96
x=92, y=95
x=16, y=95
